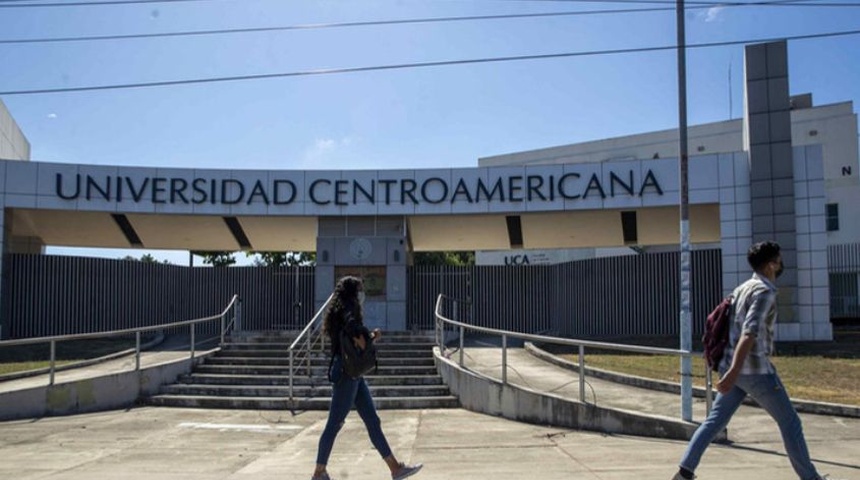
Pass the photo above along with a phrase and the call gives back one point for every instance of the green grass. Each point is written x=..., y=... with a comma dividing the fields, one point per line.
x=808, y=377
x=33, y=357
x=15, y=367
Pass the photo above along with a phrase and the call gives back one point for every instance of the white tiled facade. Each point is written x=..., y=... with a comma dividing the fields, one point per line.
x=813, y=301
x=809, y=317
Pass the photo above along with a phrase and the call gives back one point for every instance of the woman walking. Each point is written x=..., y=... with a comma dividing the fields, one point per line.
x=345, y=314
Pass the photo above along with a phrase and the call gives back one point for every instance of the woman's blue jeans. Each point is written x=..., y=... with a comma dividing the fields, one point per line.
x=770, y=394
x=347, y=392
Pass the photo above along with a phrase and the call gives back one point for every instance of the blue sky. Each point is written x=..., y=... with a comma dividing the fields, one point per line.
x=445, y=116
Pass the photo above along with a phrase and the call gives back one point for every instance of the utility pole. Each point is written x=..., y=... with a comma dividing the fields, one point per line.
x=686, y=333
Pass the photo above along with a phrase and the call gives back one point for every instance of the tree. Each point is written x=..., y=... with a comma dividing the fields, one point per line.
x=145, y=258
x=460, y=259
x=217, y=259
x=281, y=259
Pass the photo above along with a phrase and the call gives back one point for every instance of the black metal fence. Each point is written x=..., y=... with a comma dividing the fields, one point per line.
x=603, y=297
x=53, y=295
x=844, y=267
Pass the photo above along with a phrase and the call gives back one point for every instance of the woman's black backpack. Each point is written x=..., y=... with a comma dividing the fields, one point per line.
x=355, y=362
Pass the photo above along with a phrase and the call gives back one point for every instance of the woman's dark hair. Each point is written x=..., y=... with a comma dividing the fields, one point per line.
x=761, y=253
x=345, y=299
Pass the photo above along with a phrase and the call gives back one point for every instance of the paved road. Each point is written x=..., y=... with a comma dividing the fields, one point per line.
x=194, y=444
x=191, y=444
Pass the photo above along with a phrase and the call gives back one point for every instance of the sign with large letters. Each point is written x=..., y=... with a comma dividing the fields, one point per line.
x=271, y=190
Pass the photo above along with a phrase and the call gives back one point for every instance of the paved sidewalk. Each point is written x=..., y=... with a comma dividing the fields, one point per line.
x=190, y=444
x=193, y=444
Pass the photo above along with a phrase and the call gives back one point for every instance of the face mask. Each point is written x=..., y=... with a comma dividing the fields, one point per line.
x=361, y=297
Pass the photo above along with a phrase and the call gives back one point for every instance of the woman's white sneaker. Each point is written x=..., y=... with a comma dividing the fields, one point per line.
x=406, y=471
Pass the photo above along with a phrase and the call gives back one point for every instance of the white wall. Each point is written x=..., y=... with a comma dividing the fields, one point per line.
x=719, y=137
x=13, y=144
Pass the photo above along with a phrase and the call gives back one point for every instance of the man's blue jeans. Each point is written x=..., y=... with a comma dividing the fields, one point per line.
x=770, y=394
x=347, y=392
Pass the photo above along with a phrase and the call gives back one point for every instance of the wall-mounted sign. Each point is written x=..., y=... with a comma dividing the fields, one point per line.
x=340, y=192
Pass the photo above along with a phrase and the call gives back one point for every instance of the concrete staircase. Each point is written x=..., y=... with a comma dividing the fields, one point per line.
x=252, y=372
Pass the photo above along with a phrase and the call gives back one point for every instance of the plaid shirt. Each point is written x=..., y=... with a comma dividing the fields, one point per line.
x=755, y=314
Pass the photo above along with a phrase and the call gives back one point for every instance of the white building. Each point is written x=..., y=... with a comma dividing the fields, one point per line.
x=13, y=143
x=834, y=127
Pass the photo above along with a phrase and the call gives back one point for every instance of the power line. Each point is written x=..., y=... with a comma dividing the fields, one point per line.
x=809, y=3
x=376, y=23
x=332, y=25
x=403, y=66
x=19, y=3
x=16, y=4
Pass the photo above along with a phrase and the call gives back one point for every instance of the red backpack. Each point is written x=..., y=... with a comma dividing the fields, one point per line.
x=716, y=335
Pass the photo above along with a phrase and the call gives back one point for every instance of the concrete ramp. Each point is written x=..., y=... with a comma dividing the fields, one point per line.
x=541, y=393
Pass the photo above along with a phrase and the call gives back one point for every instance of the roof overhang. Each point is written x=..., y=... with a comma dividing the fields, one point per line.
x=544, y=230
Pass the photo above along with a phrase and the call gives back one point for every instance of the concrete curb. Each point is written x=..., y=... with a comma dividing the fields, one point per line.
x=483, y=394
x=802, y=406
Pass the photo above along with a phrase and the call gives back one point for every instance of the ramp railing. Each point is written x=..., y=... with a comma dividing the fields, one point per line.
x=459, y=329
x=228, y=318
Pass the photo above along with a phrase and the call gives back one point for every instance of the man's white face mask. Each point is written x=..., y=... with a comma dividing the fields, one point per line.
x=361, y=297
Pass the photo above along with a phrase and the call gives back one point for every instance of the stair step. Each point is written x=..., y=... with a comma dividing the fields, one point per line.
x=315, y=362
x=386, y=339
x=320, y=370
x=282, y=380
x=290, y=335
x=300, y=391
x=252, y=372
x=274, y=353
x=275, y=403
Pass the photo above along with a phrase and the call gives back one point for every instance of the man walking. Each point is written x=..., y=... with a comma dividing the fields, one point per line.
x=746, y=368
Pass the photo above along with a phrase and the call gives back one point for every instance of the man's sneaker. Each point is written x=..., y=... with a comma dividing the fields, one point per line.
x=324, y=476
x=406, y=471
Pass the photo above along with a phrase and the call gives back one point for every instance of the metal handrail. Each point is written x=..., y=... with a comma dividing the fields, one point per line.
x=307, y=334
x=581, y=344
x=311, y=323
x=235, y=302
x=236, y=320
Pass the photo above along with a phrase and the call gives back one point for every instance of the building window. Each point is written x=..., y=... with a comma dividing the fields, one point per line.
x=832, y=217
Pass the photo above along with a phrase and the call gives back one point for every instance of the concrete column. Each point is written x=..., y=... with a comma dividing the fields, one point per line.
x=787, y=196
x=767, y=138
x=373, y=248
